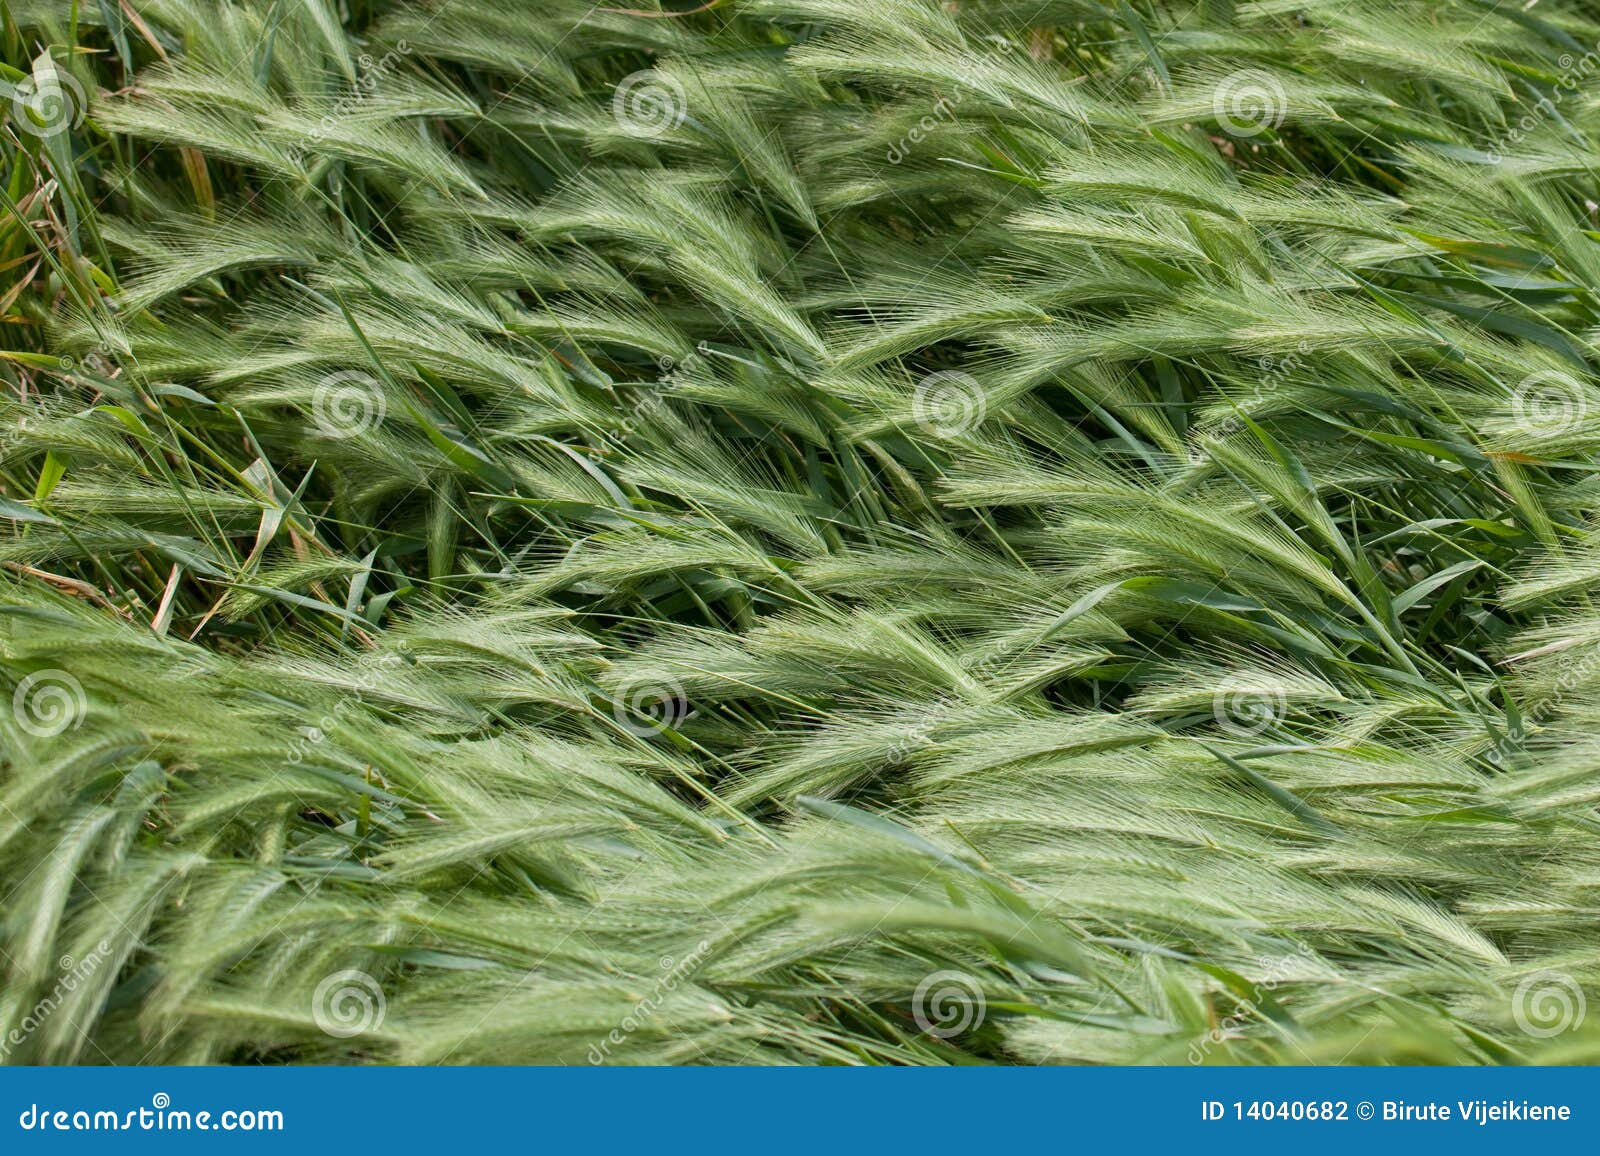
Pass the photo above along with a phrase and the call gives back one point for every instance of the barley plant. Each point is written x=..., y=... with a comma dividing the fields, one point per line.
x=825, y=532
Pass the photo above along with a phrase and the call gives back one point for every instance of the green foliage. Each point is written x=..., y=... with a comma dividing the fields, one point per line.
x=685, y=528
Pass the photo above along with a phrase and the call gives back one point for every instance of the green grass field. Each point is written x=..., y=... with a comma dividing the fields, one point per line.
x=827, y=532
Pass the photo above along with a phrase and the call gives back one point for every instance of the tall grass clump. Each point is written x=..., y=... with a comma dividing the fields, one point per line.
x=872, y=532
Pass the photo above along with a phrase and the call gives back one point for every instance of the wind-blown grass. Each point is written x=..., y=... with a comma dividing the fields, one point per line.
x=657, y=538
